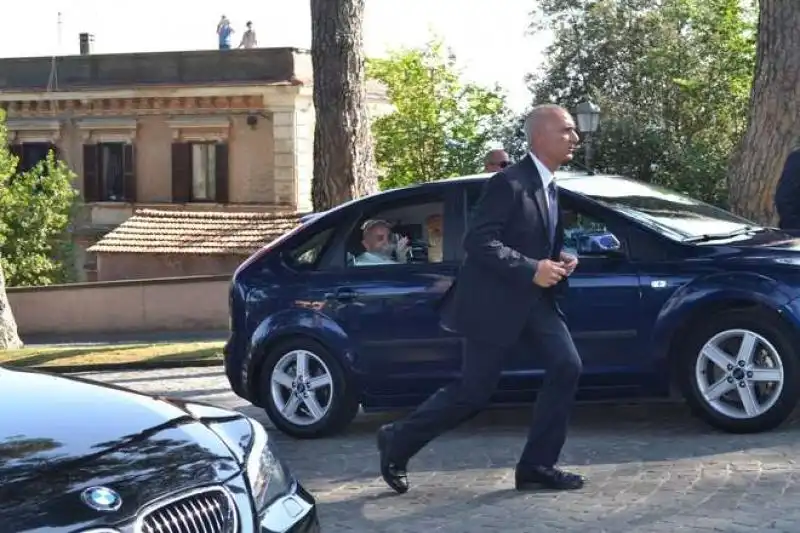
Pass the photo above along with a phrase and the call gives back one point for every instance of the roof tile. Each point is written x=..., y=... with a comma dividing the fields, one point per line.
x=196, y=232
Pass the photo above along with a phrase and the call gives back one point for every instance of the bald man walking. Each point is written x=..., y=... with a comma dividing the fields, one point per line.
x=504, y=296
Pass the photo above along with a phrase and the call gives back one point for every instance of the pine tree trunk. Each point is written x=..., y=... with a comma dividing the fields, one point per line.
x=774, y=122
x=9, y=338
x=344, y=164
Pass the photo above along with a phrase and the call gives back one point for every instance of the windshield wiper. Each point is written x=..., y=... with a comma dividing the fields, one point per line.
x=746, y=230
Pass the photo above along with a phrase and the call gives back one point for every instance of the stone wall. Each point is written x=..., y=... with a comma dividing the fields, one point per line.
x=169, y=304
x=293, y=166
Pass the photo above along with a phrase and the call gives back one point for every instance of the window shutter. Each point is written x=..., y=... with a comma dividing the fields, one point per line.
x=181, y=173
x=129, y=171
x=221, y=175
x=91, y=174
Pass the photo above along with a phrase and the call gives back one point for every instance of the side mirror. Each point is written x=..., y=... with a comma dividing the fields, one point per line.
x=599, y=245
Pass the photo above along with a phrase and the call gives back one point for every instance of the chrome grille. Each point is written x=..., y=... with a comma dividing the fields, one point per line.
x=209, y=510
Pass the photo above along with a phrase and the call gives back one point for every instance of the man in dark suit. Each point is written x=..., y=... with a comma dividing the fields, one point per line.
x=504, y=295
x=787, y=193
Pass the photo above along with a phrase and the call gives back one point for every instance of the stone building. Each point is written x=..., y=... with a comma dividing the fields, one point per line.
x=197, y=131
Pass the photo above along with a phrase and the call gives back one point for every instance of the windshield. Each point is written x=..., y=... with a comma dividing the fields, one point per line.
x=673, y=214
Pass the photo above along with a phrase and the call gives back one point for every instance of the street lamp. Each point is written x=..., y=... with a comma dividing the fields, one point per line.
x=588, y=115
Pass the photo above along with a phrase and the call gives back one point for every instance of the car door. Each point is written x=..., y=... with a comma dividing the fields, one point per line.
x=602, y=308
x=602, y=305
x=390, y=311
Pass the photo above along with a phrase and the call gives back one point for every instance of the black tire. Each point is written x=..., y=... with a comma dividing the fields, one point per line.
x=343, y=399
x=774, y=331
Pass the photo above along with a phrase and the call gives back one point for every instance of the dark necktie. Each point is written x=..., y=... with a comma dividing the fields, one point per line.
x=552, y=211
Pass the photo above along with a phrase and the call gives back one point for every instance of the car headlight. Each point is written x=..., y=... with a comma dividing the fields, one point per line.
x=266, y=473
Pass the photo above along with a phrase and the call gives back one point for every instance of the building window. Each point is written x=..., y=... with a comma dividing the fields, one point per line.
x=112, y=176
x=31, y=153
x=109, y=172
x=204, y=171
x=200, y=172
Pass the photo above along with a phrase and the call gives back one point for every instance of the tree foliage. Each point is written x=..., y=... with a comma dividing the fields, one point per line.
x=35, y=212
x=441, y=126
x=671, y=76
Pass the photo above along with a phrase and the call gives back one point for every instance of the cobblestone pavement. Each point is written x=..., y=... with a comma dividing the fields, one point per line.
x=651, y=468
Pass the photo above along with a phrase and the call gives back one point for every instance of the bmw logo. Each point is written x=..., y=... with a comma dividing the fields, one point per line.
x=101, y=498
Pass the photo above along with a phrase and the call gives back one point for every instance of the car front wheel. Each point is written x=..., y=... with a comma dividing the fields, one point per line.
x=305, y=390
x=739, y=372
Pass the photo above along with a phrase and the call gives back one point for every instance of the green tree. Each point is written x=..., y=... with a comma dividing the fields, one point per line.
x=512, y=136
x=35, y=212
x=672, y=77
x=441, y=126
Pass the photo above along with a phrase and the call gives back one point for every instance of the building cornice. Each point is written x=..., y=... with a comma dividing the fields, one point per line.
x=132, y=105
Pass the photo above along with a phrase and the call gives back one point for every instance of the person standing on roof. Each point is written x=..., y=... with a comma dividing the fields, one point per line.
x=224, y=32
x=249, y=37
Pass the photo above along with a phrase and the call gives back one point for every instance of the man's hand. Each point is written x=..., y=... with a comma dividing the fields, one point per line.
x=402, y=248
x=570, y=262
x=548, y=273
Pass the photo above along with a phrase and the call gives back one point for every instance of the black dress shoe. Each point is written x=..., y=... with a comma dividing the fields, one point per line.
x=392, y=471
x=546, y=477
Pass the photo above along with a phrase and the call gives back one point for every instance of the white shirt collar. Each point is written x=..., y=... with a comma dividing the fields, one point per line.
x=544, y=172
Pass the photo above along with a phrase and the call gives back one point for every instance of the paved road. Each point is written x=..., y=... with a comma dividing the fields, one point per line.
x=652, y=469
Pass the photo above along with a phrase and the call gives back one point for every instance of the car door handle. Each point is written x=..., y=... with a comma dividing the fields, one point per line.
x=342, y=294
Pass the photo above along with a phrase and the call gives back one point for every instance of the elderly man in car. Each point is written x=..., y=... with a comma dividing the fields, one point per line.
x=378, y=245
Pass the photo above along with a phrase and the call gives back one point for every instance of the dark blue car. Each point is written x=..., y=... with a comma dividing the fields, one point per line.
x=671, y=295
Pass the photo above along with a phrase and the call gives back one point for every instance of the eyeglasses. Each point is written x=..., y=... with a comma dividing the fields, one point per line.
x=503, y=164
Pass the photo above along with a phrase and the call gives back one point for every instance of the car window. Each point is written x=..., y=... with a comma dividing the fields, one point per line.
x=585, y=235
x=307, y=254
x=672, y=214
x=410, y=232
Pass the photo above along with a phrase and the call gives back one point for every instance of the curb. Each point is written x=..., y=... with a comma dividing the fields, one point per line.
x=120, y=367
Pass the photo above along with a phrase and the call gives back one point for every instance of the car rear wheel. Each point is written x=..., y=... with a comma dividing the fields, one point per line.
x=305, y=390
x=739, y=372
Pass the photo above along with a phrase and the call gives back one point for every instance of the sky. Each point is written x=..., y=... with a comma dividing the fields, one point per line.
x=489, y=37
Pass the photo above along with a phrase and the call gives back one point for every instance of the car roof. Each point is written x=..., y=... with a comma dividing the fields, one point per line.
x=576, y=181
x=571, y=176
x=579, y=182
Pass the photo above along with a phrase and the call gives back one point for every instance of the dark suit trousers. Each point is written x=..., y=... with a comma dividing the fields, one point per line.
x=549, y=341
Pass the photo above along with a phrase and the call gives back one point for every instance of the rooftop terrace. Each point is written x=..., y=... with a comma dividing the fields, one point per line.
x=196, y=67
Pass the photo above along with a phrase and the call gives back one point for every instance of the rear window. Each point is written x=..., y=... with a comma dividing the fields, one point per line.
x=306, y=254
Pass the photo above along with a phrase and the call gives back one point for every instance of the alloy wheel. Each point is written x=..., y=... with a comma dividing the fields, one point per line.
x=739, y=374
x=301, y=387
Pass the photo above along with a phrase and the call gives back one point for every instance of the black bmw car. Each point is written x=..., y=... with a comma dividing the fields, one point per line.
x=80, y=457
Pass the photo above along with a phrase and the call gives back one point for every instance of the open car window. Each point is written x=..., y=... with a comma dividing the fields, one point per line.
x=399, y=234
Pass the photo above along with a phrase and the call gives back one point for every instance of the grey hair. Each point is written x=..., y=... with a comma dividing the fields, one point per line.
x=534, y=117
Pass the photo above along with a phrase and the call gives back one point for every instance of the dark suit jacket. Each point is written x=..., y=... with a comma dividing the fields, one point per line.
x=787, y=193
x=494, y=292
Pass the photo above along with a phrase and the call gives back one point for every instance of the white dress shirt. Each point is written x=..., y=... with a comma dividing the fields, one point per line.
x=546, y=176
